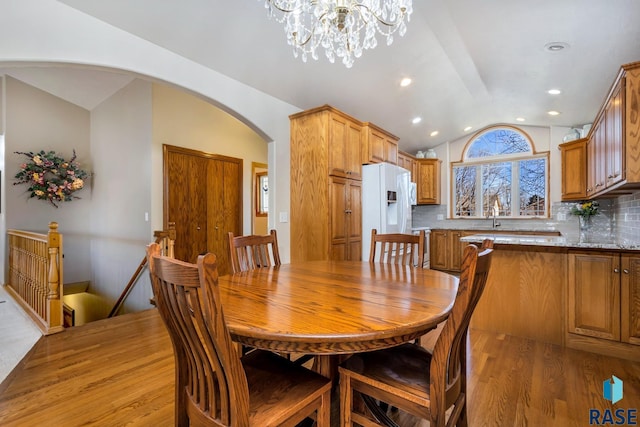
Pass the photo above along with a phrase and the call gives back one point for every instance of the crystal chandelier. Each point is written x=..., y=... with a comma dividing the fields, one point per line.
x=342, y=27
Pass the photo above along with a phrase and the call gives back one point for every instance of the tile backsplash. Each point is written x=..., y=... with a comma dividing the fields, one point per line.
x=618, y=220
x=627, y=218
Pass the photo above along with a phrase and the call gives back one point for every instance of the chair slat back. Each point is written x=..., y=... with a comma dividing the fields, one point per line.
x=211, y=384
x=253, y=251
x=448, y=367
x=397, y=248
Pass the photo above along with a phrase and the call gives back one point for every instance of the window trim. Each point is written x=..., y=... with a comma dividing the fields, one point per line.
x=511, y=158
x=260, y=212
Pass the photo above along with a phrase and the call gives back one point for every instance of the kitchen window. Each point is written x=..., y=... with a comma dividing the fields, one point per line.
x=501, y=175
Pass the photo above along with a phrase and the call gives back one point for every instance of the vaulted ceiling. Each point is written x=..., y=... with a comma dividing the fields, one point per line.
x=473, y=63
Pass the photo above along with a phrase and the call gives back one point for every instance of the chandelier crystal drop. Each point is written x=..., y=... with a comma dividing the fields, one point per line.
x=343, y=28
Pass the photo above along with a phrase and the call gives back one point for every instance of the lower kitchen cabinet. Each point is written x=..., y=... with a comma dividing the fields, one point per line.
x=446, y=249
x=345, y=196
x=630, y=298
x=594, y=295
x=603, y=300
x=439, y=249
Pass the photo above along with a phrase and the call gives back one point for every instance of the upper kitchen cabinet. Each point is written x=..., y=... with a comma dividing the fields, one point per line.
x=596, y=160
x=325, y=185
x=345, y=141
x=574, y=169
x=407, y=161
x=379, y=145
x=428, y=181
x=613, y=151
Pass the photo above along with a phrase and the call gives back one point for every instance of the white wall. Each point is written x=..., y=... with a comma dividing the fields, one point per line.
x=121, y=150
x=36, y=120
x=45, y=31
x=2, y=106
x=3, y=178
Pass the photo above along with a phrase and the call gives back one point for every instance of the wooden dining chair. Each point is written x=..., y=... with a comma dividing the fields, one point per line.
x=214, y=386
x=253, y=251
x=411, y=378
x=397, y=248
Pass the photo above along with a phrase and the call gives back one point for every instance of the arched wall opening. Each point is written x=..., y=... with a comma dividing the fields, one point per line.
x=107, y=239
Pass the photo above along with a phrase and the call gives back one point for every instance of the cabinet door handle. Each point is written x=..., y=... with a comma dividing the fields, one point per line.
x=616, y=270
x=625, y=271
x=348, y=211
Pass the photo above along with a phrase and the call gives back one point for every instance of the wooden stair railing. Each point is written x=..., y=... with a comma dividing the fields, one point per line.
x=36, y=276
x=166, y=239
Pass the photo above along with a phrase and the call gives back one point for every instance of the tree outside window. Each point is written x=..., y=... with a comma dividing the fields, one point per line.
x=501, y=175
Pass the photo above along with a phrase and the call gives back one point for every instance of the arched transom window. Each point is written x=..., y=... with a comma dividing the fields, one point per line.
x=501, y=175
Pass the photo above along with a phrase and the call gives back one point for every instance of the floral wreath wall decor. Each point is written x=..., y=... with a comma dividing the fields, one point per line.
x=50, y=177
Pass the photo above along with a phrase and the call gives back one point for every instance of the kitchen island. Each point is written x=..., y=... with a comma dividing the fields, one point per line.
x=550, y=289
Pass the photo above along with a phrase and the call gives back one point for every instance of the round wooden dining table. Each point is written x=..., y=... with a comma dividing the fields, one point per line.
x=329, y=308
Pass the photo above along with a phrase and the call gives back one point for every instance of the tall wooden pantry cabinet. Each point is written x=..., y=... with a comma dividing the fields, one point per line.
x=326, y=183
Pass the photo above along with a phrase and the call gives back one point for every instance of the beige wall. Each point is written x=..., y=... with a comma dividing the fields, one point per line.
x=183, y=120
x=38, y=121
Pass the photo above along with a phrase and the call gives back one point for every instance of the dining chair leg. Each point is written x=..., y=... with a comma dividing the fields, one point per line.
x=462, y=419
x=346, y=402
x=324, y=413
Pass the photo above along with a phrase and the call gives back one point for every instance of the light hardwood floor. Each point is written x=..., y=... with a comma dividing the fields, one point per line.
x=17, y=333
x=120, y=371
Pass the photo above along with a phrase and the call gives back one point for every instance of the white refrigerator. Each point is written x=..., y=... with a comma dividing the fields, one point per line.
x=387, y=197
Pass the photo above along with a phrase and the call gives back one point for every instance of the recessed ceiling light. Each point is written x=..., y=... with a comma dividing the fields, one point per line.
x=520, y=119
x=468, y=128
x=556, y=46
x=405, y=82
x=434, y=133
x=416, y=120
x=553, y=113
x=554, y=91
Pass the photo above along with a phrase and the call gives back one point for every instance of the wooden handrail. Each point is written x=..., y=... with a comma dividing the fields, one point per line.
x=166, y=239
x=36, y=276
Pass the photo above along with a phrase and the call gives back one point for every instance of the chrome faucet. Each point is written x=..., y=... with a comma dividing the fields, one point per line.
x=494, y=211
x=494, y=218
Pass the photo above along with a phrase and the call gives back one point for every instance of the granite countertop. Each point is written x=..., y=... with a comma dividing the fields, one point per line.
x=557, y=241
x=489, y=229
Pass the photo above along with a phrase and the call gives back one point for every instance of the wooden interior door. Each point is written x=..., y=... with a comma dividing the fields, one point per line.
x=186, y=202
x=203, y=196
x=354, y=219
x=224, y=207
x=338, y=217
